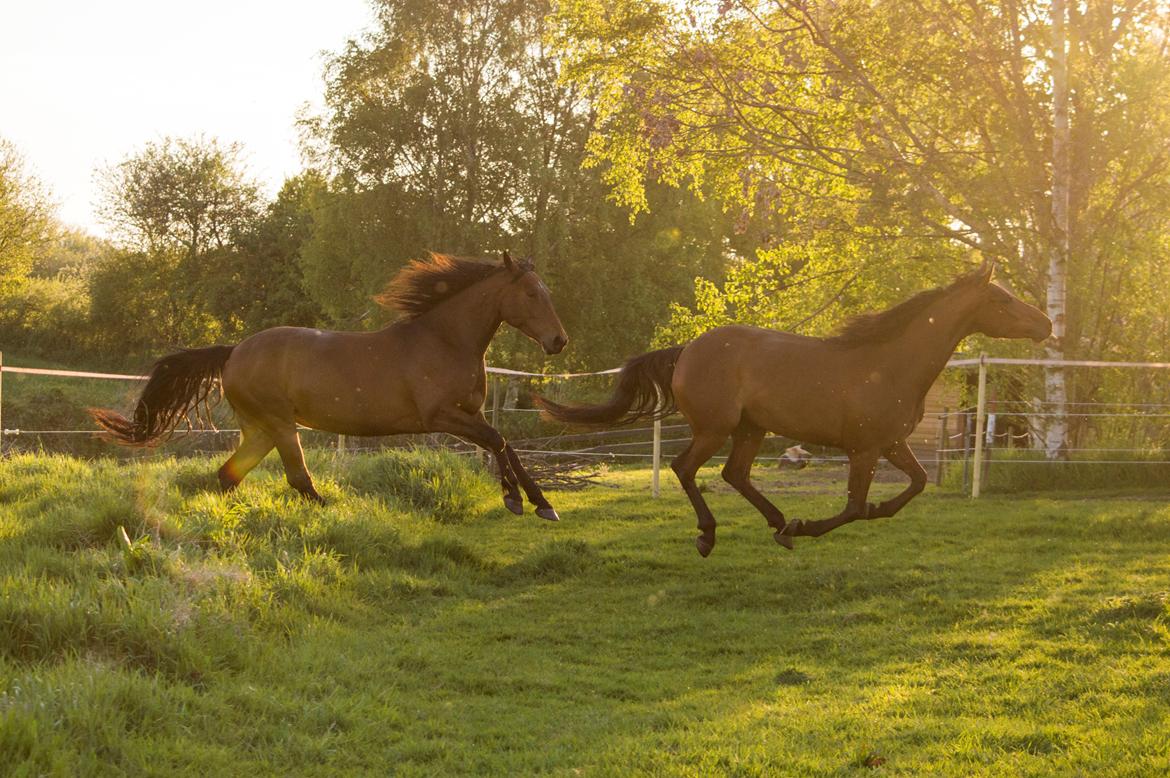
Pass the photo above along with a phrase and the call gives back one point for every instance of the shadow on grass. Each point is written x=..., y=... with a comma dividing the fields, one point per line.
x=694, y=639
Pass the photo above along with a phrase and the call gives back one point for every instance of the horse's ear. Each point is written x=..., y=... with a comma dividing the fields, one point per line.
x=986, y=269
x=508, y=263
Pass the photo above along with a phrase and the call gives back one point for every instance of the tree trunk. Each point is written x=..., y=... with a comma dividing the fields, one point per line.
x=1056, y=391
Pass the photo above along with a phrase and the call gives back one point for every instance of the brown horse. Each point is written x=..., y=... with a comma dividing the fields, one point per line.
x=423, y=373
x=862, y=390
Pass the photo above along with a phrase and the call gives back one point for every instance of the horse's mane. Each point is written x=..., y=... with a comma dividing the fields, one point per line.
x=423, y=284
x=886, y=325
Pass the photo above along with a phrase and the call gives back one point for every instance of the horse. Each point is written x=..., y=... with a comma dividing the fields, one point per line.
x=862, y=390
x=423, y=373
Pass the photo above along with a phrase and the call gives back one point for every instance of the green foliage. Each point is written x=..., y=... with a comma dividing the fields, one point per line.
x=46, y=316
x=436, y=149
x=25, y=222
x=894, y=132
x=807, y=288
x=189, y=196
x=258, y=633
x=261, y=283
x=177, y=209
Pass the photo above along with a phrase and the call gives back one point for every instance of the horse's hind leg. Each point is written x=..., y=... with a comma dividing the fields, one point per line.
x=254, y=446
x=288, y=443
x=703, y=446
x=901, y=456
x=861, y=469
x=745, y=445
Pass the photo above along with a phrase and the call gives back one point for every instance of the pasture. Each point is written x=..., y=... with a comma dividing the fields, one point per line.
x=412, y=626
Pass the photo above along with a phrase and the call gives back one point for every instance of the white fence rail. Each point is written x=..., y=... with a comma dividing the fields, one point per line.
x=975, y=428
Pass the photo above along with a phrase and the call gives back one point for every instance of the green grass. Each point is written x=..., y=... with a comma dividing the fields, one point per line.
x=412, y=626
x=1021, y=471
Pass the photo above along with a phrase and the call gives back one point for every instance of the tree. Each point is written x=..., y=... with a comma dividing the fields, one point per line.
x=451, y=129
x=186, y=195
x=26, y=221
x=176, y=210
x=260, y=281
x=895, y=123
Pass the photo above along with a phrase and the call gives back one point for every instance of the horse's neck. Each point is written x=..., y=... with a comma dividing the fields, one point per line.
x=923, y=350
x=468, y=320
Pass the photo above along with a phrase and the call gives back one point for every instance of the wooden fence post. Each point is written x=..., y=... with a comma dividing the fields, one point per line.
x=944, y=442
x=980, y=413
x=657, y=456
x=495, y=402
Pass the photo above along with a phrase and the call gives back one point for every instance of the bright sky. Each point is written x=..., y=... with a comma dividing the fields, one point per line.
x=83, y=84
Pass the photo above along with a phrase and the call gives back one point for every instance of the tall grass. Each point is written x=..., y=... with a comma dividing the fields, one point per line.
x=1018, y=471
x=151, y=625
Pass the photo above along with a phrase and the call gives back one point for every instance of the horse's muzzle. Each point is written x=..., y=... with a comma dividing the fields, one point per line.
x=555, y=345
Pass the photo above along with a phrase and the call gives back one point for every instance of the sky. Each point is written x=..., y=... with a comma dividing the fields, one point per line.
x=85, y=84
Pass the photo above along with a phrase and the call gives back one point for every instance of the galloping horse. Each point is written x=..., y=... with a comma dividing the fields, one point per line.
x=862, y=390
x=423, y=373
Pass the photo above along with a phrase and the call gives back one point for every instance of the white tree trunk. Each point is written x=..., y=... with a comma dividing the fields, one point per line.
x=1056, y=392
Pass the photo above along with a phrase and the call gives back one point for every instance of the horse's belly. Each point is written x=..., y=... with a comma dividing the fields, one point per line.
x=807, y=427
x=356, y=409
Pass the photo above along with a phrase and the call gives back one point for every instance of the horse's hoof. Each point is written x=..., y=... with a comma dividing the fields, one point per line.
x=514, y=505
x=791, y=530
x=548, y=514
x=782, y=539
x=704, y=545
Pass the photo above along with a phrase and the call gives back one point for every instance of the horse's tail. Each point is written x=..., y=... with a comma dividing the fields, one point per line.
x=178, y=384
x=643, y=392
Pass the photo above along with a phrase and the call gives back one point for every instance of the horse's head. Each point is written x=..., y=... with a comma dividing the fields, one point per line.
x=1000, y=314
x=526, y=304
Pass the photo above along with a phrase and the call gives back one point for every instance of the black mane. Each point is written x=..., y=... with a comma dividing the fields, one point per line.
x=888, y=324
x=423, y=284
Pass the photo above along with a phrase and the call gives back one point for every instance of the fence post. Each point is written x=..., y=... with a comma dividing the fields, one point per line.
x=980, y=413
x=495, y=402
x=1, y=402
x=657, y=456
x=340, y=444
x=944, y=442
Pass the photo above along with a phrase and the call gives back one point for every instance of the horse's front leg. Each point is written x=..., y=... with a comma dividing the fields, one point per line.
x=862, y=465
x=543, y=507
x=473, y=428
x=901, y=456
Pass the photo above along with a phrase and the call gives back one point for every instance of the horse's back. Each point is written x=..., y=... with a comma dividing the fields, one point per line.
x=782, y=382
x=316, y=374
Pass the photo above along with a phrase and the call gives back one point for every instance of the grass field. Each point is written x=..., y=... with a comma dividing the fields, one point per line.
x=414, y=627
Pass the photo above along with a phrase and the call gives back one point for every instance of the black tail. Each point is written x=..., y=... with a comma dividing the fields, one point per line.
x=643, y=392
x=179, y=384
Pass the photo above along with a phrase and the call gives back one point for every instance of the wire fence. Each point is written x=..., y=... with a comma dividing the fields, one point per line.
x=1003, y=429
